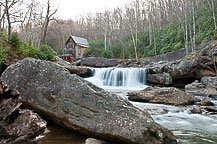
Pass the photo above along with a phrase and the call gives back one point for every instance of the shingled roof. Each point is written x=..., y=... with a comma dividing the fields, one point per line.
x=79, y=40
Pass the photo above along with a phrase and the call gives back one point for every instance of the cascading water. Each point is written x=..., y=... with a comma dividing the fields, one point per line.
x=124, y=78
x=188, y=128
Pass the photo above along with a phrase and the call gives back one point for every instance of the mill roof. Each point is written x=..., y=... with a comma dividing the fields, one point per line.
x=79, y=40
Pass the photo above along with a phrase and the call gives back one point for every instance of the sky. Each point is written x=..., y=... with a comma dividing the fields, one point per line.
x=71, y=9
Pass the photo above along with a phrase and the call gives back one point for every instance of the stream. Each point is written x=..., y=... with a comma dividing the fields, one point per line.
x=187, y=127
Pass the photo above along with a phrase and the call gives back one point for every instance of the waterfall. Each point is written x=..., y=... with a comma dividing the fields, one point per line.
x=133, y=78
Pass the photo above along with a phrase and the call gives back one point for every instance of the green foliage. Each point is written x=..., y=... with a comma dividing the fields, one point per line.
x=46, y=52
x=3, y=46
x=169, y=38
x=106, y=54
x=96, y=49
x=15, y=41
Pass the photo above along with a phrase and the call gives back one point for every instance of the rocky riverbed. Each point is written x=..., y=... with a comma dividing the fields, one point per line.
x=77, y=104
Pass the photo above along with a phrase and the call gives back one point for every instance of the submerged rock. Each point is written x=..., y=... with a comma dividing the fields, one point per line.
x=165, y=95
x=17, y=126
x=72, y=102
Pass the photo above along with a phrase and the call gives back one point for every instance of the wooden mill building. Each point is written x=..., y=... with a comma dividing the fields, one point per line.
x=75, y=47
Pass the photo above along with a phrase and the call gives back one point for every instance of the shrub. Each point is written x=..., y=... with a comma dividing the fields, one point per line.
x=15, y=41
x=3, y=46
x=46, y=52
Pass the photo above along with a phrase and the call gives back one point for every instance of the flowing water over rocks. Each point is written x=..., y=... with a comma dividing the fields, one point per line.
x=188, y=128
x=119, y=78
x=72, y=102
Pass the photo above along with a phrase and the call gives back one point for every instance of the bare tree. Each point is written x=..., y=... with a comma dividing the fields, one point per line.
x=8, y=14
x=48, y=18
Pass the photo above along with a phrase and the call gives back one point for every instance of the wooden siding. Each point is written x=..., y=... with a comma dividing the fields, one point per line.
x=74, y=49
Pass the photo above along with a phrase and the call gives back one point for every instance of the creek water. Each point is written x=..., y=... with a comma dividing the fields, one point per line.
x=187, y=127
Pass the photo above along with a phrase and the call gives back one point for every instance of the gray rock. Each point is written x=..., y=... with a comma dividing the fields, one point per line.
x=161, y=78
x=79, y=70
x=195, y=87
x=98, y=62
x=159, y=67
x=165, y=95
x=206, y=102
x=210, y=108
x=95, y=141
x=210, y=82
x=196, y=110
x=197, y=67
x=182, y=70
x=208, y=86
x=70, y=101
x=61, y=62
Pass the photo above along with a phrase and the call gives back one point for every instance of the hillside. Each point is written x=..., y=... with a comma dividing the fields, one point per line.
x=186, y=33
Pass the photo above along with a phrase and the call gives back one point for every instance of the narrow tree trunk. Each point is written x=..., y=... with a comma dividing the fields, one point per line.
x=8, y=20
x=134, y=42
x=186, y=30
x=213, y=13
x=135, y=46
x=155, y=47
x=105, y=39
x=186, y=36
x=150, y=30
x=194, y=27
x=190, y=33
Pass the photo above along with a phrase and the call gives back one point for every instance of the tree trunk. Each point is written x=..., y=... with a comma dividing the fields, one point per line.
x=8, y=19
x=186, y=31
x=46, y=22
x=213, y=13
x=105, y=39
x=194, y=27
x=150, y=30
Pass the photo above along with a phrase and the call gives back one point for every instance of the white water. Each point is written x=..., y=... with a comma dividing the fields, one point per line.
x=119, y=78
x=187, y=127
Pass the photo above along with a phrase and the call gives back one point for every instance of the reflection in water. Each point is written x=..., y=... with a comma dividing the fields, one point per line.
x=57, y=135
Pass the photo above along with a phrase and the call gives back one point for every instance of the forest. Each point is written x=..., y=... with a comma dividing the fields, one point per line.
x=142, y=28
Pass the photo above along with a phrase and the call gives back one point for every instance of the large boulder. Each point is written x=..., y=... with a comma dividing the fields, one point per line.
x=72, y=102
x=182, y=69
x=17, y=126
x=165, y=95
x=98, y=62
x=161, y=78
x=73, y=69
x=205, y=62
x=201, y=65
x=79, y=70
